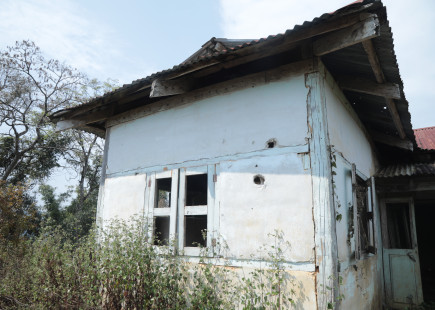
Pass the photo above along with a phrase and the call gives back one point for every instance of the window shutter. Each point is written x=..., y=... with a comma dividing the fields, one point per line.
x=355, y=215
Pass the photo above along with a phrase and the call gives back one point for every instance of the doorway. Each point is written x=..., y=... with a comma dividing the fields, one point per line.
x=424, y=217
x=400, y=253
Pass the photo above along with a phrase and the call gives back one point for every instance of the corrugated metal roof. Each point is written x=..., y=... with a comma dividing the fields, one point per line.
x=372, y=109
x=425, y=138
x=349, y=61
x=189, y=63
x=403, y=170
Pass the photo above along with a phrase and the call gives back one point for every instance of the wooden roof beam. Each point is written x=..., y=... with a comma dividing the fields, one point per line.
x=83, y=120
x=161, y=88
x=392, y=141
x=380, y=78
x=359, y=32
x=291, y=40
x=367, y=86
x=338, y=35
x=77, y=124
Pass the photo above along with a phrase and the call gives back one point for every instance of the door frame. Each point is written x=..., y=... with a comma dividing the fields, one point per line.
x=387, y=251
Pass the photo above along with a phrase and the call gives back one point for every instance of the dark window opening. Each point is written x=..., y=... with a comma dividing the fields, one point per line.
x=196, y=226
x=424, y=215
x=363, y=216
x=163, y=193
x=398, y=226
x=161, y=230
x=196, y=190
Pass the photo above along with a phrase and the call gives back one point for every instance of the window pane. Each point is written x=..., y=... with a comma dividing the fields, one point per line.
x=163, y=193
x=398, y=225
x=196, y=190
x=196, y=226
x=161, y=230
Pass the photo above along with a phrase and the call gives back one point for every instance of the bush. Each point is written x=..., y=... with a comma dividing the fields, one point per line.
x=121, y=269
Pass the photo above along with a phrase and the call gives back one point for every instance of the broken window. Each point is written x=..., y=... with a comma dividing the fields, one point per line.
x=363, y=215
x=196, y=230
x=161, y=230
x=162, y=216
x=180, y=203
x=196, y=190
x=398, y=226
x=195, y=208
x=163, y=193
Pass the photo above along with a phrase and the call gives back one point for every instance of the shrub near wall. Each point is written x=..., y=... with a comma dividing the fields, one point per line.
x=122, y=270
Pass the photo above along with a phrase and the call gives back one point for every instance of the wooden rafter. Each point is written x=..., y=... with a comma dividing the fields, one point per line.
x=380, y=78
x=161, y=88
x=357, y=33
x=367, y=86
x=392, y=141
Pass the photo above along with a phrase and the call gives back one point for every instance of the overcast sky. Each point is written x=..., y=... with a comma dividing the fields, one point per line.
x=130, y=39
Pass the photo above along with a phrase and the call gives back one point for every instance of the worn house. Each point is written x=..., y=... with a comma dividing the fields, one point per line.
x=307, y=132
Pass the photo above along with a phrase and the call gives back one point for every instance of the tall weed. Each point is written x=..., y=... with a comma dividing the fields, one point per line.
x=120, y=268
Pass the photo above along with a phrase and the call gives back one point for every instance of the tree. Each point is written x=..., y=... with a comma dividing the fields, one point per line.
x=18, y=218
x=76, y=216
x=31, y=88
x=85, y=156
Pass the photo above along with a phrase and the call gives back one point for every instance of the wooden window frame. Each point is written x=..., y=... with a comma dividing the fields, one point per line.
x=178, y=209
x=360, y=253
x=162, y=212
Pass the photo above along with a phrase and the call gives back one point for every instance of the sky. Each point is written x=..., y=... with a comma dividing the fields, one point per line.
x=130, y=39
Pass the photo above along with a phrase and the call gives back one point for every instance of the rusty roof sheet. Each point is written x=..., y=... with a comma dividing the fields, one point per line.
x=425, y=138
x=406, y=170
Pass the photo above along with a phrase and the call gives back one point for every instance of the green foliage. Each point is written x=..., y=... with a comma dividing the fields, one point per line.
x=18, y=216
x=120, y=268
x=31, y=88
x=270, y=287
x=34, y=165
x=76, y=219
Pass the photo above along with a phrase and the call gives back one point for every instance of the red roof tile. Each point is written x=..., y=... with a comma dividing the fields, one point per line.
x=425, y=138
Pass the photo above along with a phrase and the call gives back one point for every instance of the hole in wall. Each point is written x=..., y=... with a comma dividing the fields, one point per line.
x=271, y=143
x=259, y=179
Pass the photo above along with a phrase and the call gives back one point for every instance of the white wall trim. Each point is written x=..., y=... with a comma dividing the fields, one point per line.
x=209, y=161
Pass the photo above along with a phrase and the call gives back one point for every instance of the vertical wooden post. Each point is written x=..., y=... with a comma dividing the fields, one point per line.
x=323, y=207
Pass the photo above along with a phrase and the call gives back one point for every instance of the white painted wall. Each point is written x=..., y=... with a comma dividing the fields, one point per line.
x=231, y=131
x=123, y=197
x=233, y=123
x=345, y=133
x=350, y=144
x=249, y=212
